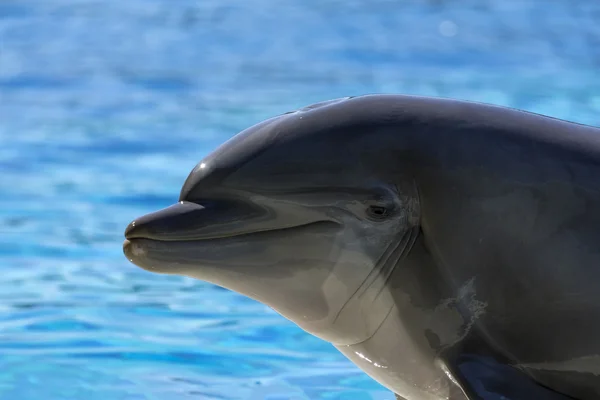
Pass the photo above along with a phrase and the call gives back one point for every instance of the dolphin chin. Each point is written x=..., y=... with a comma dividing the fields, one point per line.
x=167, y=255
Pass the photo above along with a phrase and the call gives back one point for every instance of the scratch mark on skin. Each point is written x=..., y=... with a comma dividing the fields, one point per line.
x=447, y=311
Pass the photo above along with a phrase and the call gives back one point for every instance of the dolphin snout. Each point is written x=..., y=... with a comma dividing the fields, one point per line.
x=171, y=223
x=189, y=221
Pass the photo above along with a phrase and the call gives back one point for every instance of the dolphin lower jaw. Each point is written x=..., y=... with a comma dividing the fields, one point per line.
x=153, y=255
x=169, y=256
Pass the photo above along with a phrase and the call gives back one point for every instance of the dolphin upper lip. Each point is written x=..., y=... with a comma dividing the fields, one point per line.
x=172, y=223
x=188, y=221
x=218, y=219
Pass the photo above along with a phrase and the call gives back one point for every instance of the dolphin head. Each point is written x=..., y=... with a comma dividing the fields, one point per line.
x=307, y=212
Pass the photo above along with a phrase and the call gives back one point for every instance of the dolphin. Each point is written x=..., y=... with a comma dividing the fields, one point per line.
x=450, y=249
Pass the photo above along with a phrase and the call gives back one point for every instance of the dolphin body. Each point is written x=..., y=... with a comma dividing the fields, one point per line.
x=450, y=249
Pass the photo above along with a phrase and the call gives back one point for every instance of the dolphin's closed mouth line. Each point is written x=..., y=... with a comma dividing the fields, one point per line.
x=235, y=234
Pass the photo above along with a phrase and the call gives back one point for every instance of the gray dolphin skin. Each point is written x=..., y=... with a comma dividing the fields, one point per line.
x=450, y=249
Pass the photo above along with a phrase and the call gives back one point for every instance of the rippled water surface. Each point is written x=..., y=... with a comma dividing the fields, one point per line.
x=105, y=107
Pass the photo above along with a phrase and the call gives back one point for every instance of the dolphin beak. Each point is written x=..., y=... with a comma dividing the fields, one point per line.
x=173, y=223
x=187, y=221
x=217, y=232
x=152, y=239
x=176, y=222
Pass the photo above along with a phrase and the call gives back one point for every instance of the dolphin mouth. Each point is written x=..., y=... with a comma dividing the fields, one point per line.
x=191, y=222
x=188, y=221
x=240, y=235
x=188, y=233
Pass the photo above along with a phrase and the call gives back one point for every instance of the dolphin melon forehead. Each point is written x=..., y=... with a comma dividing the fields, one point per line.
x=250, y=143
x=229, y=156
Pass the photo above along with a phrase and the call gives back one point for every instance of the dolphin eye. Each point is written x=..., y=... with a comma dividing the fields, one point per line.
x=377, y=212
x=381, y=205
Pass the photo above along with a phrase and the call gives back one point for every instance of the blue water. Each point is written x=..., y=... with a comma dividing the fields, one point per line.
x=105, y=107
